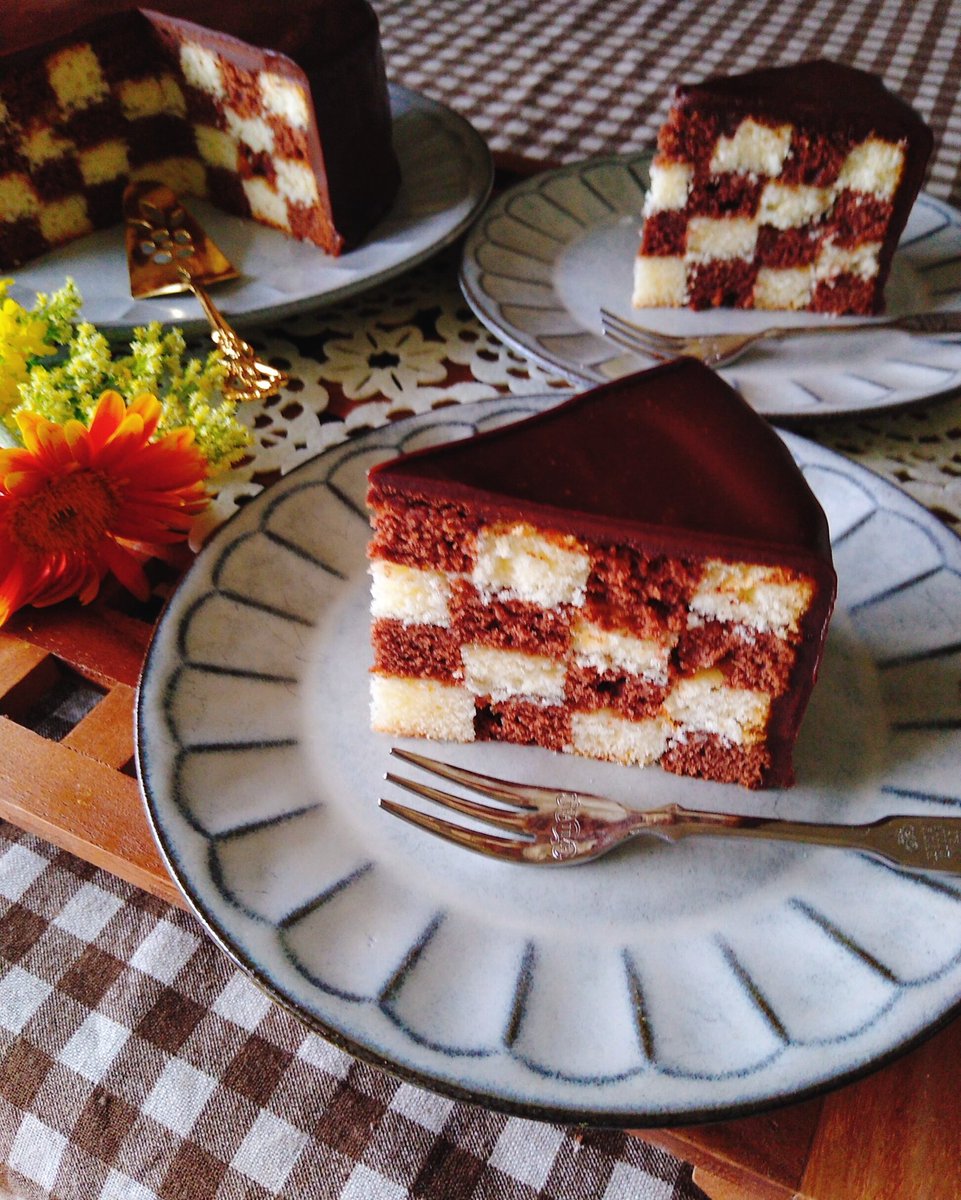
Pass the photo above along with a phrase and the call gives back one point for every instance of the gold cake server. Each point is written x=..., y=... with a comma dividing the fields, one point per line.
x=168, y=251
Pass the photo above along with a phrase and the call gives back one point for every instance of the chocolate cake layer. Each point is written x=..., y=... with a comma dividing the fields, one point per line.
x=523, y=723
x=707, y=756
x=416, y=651
x=747, y=658
x=632, y=696
x=418, y=532
x=508, y=624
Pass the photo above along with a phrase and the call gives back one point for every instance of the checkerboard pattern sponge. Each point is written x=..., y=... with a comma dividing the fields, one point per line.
x=523, y=635
x=144, y=97
x=755, y=211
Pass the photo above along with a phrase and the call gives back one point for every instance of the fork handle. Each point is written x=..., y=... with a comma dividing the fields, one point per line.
x=930, y=322
x=229, y=340
x=924, y=843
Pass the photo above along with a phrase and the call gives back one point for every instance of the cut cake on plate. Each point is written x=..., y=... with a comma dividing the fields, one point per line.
x=291, y=128
x=784, y=188
x=641, y=574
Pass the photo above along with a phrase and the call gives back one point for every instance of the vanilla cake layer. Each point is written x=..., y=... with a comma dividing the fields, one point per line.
x=755, y=211
x=501, y=631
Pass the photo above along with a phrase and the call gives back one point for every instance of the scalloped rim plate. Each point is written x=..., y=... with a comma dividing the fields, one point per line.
x=548, y=254
x=660, y=985
x=446, y=177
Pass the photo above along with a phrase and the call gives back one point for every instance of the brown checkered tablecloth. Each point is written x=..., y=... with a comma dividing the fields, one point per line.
x=565, y=81
x=135, y=1062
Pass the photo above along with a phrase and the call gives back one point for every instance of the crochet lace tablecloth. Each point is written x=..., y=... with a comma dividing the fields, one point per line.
x=135, y=1061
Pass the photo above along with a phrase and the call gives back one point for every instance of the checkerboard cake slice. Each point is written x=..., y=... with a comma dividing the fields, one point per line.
x=640, y=574
x=302, y=145
x=785, y=188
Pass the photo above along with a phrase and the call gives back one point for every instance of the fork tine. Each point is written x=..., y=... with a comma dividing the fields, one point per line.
x=614, y=327
x=499, y=817
x=618, y=322
x=613, y=318
x=612, y=324
x=525, y=795
x=637, y=347
x=482, y=843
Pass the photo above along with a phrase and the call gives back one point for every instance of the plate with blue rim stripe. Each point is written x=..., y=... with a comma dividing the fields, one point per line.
x=547, y=255
x=659, y=985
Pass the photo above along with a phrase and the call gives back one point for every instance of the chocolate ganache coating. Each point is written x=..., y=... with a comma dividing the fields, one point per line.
x=311, y=31
x=672, y=458
x=818, y=92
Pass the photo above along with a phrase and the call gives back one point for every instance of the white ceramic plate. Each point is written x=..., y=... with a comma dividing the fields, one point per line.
x=660, y=984
x=446, y=178
x=549, y=254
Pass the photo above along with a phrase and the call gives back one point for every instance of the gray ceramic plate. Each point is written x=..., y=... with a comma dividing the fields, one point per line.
x=547, y=255
x=447, y=175
x=661, y=984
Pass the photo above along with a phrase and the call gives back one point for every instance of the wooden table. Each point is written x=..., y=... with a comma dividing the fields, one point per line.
x=894, y=1135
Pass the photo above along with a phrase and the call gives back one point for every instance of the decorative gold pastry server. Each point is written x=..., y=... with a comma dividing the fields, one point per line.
x=168, y=251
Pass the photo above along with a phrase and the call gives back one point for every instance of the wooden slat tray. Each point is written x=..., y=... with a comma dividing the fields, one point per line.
x=80, y=792
x=895, y=1135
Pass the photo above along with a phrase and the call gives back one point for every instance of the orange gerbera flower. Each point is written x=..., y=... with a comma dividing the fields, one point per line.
x=78, y=503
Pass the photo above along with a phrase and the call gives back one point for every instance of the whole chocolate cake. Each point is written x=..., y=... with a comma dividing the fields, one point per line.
x=640, y=574
x=784, y=188
x=278, y=114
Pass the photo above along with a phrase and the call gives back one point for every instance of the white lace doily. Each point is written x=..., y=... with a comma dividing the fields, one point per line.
x=918, y=448
x=408, y=347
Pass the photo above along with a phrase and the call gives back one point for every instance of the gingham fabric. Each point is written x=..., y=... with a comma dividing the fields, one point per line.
x=135, y=1062
x=568, y=81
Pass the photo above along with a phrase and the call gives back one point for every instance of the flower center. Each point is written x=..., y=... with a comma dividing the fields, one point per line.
x=71, y=513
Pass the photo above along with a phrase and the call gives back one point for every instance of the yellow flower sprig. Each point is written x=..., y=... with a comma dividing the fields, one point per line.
x=55, y=366
x=23, y=337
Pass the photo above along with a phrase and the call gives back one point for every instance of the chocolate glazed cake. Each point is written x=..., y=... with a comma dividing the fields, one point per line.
x=785, y=188
x=276, y=114
x=641, y=575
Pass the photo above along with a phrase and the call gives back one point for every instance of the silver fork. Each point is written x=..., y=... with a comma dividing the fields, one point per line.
x=718, y=349
x=555, y=827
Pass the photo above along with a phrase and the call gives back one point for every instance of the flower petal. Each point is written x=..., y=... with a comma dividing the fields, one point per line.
x=107, y=416
x=149, y=409
x=127, y=568
x=124, y=488
x=16, y=583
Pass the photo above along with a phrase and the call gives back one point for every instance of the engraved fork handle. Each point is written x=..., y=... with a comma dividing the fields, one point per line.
x=924, y=843
x=931, y=322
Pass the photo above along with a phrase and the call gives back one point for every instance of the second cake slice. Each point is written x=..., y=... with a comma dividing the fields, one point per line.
x=785, y=188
